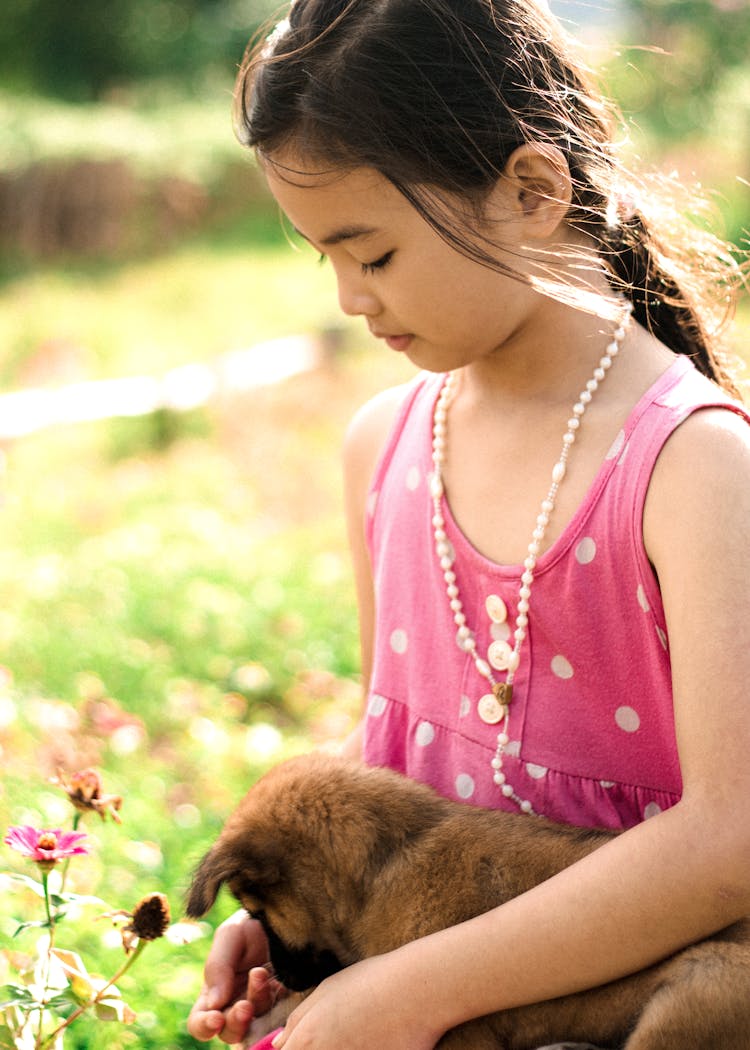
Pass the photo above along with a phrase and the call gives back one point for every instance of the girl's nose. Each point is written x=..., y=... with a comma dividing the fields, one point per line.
x=356, y=298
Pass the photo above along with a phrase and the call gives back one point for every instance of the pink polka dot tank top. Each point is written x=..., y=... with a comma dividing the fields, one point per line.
x=592, y=738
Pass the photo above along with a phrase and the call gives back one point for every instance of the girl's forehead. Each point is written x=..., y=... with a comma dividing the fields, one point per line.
x=322, y=202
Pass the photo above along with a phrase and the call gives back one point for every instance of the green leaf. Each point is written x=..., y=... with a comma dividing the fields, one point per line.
x=17, y=996
x=58, y=899
x=40, y=924
x=28, y=882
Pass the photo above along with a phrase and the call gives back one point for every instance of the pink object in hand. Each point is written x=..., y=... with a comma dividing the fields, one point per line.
x=266, y=1041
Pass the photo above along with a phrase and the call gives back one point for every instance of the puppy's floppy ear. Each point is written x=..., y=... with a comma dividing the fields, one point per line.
x=215, y=868
x=245, y=868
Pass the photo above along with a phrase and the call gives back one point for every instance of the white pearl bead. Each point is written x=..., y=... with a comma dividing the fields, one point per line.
x=592, y=386
x=569, y=438
x=522, y=619
x=499, y=779
x=524, y=591
x=573, y=423
x=502, y=739
x=579, y=408
x=542, y=520
x=599, y=374
x=445, y=563
x=513, y=661
x=528, y=578
x=507, y=791
x=547, y=506
x=459, y=619
x=558, y=471
x=519, y=634
x=523, y=605
x=585, y=396
x=497, y=763
x=452, y=590
x=526, y=807
x=483, y=667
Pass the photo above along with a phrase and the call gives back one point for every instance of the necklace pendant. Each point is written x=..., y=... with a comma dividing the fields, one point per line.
x=503, y=693
x=489, y=709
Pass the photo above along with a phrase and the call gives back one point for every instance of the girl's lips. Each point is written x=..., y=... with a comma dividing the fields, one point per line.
x=398, y=342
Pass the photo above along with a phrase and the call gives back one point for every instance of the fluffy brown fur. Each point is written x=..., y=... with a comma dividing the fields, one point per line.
x=340, y=862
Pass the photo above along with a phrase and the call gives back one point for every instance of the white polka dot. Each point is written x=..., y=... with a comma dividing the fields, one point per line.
x=537, y=772
x=586, y=551
x=652, y=810
x=413, y=478
x=464, y=785
x=372, y=502
x=561, y=667
x=628, y=719
x=425, y=734
x=617, y=445
x=607, y=784
x=500, y=631
x=465, y=707
x=376, y=705
x=642, y=599
x=662, y=638
x=621, y=460
x=399, y=641
x=513, y=748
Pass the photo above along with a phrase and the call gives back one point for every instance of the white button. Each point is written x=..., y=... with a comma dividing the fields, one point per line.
x=496, y=609
x=490, y=710
x=499, y=654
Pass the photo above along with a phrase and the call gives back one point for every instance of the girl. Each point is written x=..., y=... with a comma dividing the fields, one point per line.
x=548, y=525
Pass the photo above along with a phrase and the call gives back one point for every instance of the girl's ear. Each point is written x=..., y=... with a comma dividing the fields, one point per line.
x=538, y=179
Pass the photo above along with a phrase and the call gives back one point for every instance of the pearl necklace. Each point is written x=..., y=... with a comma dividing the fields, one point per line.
x=494, y=707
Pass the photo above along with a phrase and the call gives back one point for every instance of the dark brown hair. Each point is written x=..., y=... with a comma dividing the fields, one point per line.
x=436, y=94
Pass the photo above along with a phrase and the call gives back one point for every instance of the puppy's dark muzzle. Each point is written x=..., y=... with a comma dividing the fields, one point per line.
x=297, y=968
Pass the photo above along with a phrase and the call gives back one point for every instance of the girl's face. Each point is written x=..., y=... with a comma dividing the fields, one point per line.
x=418, y=294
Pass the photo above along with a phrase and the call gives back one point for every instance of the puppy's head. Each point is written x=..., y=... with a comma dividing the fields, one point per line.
x=301, y=851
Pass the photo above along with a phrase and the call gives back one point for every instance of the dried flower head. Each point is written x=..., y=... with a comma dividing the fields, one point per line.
x=46, y=847
x=84, y=789
x=148, y=921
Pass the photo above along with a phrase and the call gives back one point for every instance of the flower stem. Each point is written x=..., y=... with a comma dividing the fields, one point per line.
x=66, y=865
x=48, y=962
x=97, y=998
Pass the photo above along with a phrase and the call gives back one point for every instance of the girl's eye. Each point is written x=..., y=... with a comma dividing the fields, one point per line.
x=379, y=264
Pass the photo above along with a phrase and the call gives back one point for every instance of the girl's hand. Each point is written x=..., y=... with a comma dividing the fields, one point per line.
x=236, y=988
x=365, y=1007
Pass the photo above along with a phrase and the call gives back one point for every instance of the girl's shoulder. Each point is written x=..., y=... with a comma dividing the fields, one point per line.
x=370, y=427
x=704, y=470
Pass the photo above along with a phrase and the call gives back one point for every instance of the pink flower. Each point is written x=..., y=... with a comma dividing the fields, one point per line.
x=45, y=847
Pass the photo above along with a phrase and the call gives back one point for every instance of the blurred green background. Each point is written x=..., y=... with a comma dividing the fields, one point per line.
x=175, y=601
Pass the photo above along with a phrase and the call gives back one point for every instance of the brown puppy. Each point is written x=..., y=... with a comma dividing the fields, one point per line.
x=340, y=862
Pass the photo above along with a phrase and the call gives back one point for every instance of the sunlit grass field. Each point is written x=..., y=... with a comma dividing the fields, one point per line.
x=176, y=603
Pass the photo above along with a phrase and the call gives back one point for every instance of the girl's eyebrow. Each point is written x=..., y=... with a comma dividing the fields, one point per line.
x=346, y=233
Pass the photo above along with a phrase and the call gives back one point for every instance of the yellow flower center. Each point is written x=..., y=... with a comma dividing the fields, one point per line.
x=47, y=841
